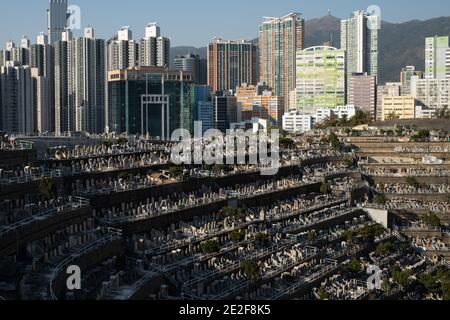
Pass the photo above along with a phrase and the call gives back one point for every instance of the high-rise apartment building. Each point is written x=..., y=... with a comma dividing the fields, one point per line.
x=437, y=58
x=231, y=63
x=320, y=77
x=154, y=49
x=42, y=64
x=16, y=99
x=259, y=102
x=431, y=93
x=279, y=41
x=64, y=114
x=18, y=56
x=362, y=93
x=57, y=20
x=225, y=111
x=359, y=38
x=80, y=93
x=122, y=50
x=407, y=73
x=191, y=63
x=87, y=79
x=42, y=101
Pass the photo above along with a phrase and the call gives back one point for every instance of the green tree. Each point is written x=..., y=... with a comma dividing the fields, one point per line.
x=236, y=213
x=251, y=270
x=47, y=187
x=261, y=238
x=354, y=266
x=237, y=235
x=349, y=236
x=325, y=188
x=445, y=287
x=392, y=116
x=176, y=172
x=123, y=175
x=432, y=220
x=412, y=181
x=422, y=135
x=108, y=143
x=380, y=199
x=323, y=294
x=401, y=277
x=312, y=236
x=122, y=141
x=399, y=131
x=334, y=141
x=429, y=282
x=384, y=249
x=349, y=162
x=210, y=246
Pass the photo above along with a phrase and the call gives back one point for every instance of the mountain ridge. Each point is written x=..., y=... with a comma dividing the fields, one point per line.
x=400, y=44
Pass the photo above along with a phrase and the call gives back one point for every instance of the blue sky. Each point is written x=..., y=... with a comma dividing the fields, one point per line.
x=196, y=22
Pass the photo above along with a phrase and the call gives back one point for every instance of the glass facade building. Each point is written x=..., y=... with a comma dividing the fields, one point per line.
x=152, y=101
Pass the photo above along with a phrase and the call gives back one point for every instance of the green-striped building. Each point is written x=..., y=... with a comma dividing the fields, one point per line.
x=320, y=77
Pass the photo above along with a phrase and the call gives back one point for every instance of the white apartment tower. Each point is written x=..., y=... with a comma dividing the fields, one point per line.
x=122, y=50
x=437, y=58
x=359, y=38
x=154, y=49
x=80, y=71
x=87, y=78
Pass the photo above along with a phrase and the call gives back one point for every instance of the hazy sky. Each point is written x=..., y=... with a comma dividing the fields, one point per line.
x=196, y=22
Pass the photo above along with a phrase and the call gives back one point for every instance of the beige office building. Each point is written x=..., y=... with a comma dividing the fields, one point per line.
x=398, y=108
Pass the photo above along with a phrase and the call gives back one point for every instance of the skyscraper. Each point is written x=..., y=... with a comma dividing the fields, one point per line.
x=225, y=111
x=87, y=76
x=122, y=50
x=279, y=41
x=230, y=64
x=190, y=63
x=320, y=77
x=80, y=83
x=42, y=101
x=64, y=114
x=437, y=58
x=154, y=49
x=57, y=20
x=359, y=38
x=41, y=62
x=19, y=56
x=16, y=99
